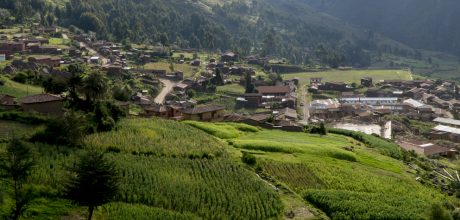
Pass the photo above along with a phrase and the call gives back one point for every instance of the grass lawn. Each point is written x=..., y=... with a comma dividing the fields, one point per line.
x=350, y=76
x=57, y=41
x=188, y=70
x=19, y=90
x=231, y=89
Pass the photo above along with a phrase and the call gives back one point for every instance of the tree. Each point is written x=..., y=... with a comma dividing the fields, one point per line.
x=218, y=79
x=94, y=183
x=94, y=86
x=249, y=86
x=16, y=164
x=322, y=129
x=54, y=85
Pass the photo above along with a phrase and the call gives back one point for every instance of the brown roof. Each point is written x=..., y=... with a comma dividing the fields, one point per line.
x=41, y=98
x=7, y=100
x=436, y=149
x=273, y=89
x=202, y=109
x=156, y=108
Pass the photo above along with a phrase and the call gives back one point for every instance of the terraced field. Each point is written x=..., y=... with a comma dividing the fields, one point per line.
x=339, y=175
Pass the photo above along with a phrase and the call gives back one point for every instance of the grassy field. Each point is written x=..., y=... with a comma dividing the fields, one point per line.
x=350, y=76
x=231, y=89
x=357, y=184
x=19, y=90
x=186, y=68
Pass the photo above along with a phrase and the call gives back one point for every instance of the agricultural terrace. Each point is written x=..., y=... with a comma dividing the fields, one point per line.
x=351, y=76
x=343, y=177
x=168, y=170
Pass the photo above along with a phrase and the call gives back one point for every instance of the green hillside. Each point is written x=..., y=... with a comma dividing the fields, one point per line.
x=171, y=170
x=17, y=89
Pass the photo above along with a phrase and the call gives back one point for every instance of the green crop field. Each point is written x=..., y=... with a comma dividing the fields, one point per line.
x=191, y=170
x=19, y=90
x=357, y=184
x=350, y=76
x=168, y=170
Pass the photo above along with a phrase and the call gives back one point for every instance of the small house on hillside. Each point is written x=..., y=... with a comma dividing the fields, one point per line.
x=204, y=113
x=47, y=104
x=7, y=102
x=229, y=57
x=427, y=149
x=277, y=91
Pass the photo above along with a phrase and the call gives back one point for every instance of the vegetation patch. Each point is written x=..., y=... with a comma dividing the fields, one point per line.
x=267, y=146
x=223, y=130
x=340, y=204
x=122, y=211
x=157, y=137
x=385, y=147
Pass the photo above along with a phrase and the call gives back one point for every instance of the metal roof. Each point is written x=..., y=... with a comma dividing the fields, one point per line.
x=370, y=99
x=447, y=129
x=447, y=121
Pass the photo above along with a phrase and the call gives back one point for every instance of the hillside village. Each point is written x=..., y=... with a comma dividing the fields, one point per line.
x=177, y=84
x=267, y=102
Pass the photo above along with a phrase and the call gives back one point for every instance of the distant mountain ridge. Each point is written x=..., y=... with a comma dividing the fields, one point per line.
x=294, y=29
x=424, y=24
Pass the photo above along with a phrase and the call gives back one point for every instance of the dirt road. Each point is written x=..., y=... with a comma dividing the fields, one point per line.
x=303, y=99
x=167, y=88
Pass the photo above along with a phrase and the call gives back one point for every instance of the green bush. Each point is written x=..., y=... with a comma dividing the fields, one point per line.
x=23, y=117
x=248, y=158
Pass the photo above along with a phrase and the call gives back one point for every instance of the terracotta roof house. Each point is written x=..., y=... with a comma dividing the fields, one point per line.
x=204, y=113
x=47, y=104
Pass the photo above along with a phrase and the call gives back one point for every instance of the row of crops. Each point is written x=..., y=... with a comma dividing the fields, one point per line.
x=123, y=211
x=170, y=184
x=157, y=138
x=340, y=176
x=211, y=189
x=361, y=205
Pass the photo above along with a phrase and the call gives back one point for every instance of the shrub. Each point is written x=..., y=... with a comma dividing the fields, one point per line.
x=20, y=78
x=23, y=117
x=248, y=158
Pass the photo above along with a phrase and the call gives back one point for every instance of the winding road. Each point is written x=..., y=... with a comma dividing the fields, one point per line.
x=168, y=86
